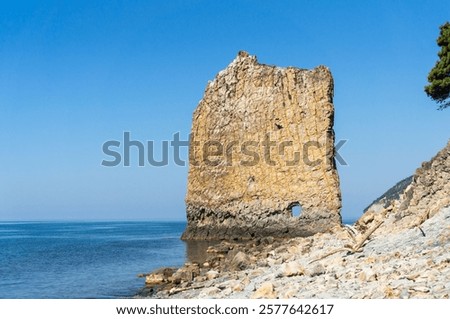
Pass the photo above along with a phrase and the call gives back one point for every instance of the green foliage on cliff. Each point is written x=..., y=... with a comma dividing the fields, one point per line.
x=439, y=76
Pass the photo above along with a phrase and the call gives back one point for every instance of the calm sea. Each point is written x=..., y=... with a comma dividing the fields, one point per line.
x=87, y=259
x=84, y=260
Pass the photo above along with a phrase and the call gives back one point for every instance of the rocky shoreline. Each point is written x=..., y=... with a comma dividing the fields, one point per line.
x=399, y=248
x=412, y=263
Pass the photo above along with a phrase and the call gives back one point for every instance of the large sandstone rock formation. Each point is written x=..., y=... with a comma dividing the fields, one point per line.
x=262, y=142
x=423, y=197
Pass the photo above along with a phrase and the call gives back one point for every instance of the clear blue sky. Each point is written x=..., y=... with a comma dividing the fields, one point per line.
x=74, y=74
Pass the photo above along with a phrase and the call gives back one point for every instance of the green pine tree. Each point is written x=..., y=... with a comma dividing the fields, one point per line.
x=439, y=77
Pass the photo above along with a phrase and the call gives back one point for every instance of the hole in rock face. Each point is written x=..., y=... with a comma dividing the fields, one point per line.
x=296, y=210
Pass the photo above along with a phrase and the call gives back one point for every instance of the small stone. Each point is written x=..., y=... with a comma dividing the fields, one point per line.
x=294, y=250
x=159, y=276
x=412, y=277
x=209, y=292
x=256, y=273
x=404, y=294
x=212, y=250
x=292, y=268
x=154, y=279
x=265, y=291
x=367, y=275
x=267, y=240
x=177, y=277
x=438, y=289
x=390, y=292
x=212, y=274
x=370, y=260
x=317, y=270
x=200, y=279
x=186, y=273
x=289, y=294
x=238, y=287
x=246, y=281
x=431, y=278
x=270, y=261
x=227, y=291
x=278, y=261
x=420, y=289
x=240, y=261
x=262, y=263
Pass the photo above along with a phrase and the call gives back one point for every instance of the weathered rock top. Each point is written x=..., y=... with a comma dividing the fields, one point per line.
x=262, y=142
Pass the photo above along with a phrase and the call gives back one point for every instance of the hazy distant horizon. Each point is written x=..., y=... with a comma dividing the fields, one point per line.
x=184, y=221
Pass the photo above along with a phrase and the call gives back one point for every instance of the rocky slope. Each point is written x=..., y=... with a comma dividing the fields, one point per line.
x=391, y=195
x=426, y=195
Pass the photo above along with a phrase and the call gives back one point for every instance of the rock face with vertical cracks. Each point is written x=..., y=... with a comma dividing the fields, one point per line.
x=262, y=143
